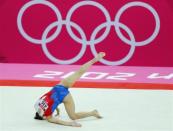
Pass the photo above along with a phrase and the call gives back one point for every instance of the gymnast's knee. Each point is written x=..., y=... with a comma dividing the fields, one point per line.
x=74, y=117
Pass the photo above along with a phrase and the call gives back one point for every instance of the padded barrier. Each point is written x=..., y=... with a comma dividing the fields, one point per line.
x=115, y=77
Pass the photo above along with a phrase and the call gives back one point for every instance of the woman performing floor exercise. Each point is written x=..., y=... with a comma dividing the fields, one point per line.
x=48, y=103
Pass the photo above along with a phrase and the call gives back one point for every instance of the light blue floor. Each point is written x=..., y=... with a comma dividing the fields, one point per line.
x=123, y=110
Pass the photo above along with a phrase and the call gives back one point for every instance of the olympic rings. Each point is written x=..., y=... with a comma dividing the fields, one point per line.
x=45, y=50
x=20, y=15
x=83, y=40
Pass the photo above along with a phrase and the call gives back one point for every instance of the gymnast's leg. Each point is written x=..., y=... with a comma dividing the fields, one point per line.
x=69, y=82
x=70, y=109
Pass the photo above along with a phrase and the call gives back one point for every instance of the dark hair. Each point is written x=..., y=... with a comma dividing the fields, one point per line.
x=38, y=117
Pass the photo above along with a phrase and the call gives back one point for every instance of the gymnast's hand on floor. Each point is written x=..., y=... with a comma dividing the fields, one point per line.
x=75, y=124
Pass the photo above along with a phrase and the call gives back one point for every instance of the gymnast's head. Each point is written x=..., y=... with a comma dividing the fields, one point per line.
x=38, y=117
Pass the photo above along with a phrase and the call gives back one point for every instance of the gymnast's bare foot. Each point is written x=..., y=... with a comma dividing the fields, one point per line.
x=99, y=56
x=96, y=114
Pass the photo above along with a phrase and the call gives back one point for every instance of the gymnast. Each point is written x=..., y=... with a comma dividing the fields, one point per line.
x=48, y=103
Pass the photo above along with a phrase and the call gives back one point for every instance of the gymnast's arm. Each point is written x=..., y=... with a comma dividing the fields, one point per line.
x=61, y=122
